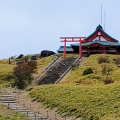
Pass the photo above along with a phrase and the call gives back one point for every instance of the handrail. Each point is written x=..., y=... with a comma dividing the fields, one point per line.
x=48, y=68
x=76, y=61
x=52, y=63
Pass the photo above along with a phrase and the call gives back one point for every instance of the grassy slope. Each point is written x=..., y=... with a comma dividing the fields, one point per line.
x=7, y=114
x=41, y=64
x=6, y=70
x=6, y=74
x=91, y=99
x=97, y=77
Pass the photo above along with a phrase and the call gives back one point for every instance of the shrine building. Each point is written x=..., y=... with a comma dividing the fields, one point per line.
x=99, y=42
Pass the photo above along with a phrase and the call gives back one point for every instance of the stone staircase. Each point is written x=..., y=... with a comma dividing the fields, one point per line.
x=54, y=73
x=9, y=99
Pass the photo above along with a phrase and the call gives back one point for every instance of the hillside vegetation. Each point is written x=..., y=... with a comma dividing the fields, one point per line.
x=6, y=74
x=91, y=91
x=7, y=70
x=97, y=76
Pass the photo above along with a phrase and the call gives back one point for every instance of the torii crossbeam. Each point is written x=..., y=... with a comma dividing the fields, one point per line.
x=73, y=39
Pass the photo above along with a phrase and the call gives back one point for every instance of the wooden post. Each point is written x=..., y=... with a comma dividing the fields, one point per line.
x=47, y=114
x=55, y=117
x=116, y=51
x=30, y=106
x=104, y=50
x=35, y=116
x=27, y=113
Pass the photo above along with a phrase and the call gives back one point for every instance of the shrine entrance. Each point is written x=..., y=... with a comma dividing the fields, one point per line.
x=73, y=39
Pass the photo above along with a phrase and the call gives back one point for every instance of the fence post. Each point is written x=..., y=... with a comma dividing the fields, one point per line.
x=8, y=105
x=27, y=113
x=65, y=118
x=47, y=114
x=30, y=106
x=35, y=116
x=55, y=117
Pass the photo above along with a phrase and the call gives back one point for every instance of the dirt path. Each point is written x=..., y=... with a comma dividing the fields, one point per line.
x=25, y=99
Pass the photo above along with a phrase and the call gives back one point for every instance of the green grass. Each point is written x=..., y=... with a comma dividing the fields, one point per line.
x=43, y=62
x=85, y=96
x=6, y=70
x=7, y=114
x=76, y=76
x=6, y=74
x=81, y=101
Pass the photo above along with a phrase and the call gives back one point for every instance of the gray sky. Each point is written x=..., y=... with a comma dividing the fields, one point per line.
x=29, y=26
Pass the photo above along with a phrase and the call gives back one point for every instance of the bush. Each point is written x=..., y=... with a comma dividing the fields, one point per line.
x=75, y=66
x=108, y=81
x=23, y=75
x=88, y=71
x=102, y=59
x=106, y=70
x=32, y=64
x=117, y=61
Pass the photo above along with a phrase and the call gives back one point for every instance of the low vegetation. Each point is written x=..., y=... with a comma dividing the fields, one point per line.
x=90, y=91
x=21, y=74
x=91, y=96
x=43, y=62
x=6, y=74
x=87, y=102
x=100, y=71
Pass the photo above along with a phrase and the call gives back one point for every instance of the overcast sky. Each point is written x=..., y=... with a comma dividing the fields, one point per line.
x=29, y=26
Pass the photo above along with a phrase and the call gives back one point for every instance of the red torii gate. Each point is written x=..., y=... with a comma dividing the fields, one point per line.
x=73, y=39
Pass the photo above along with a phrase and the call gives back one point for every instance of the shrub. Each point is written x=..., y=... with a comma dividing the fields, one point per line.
x=117, y=61
x=106, y=70
x=102, y=59
x=108, y=81
x=74, y=66
x=88, y=71
x=32, y=64
x=23, y=75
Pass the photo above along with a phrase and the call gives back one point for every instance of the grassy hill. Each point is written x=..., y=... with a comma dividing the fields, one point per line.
x=94, y=96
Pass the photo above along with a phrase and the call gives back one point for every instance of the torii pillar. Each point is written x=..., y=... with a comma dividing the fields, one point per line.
x=73, y=39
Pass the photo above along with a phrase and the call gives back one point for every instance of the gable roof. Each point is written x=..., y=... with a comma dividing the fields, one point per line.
x=103, y=33
x=104, y=43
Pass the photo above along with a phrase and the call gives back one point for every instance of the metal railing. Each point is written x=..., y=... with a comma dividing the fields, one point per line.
x=75, y=62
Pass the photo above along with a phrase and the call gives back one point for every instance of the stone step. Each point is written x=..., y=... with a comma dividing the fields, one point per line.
x=33, y=115
x=6, y=104
x=7, y=96
x=10, y=100
x=7, y=101
x=22, y=110
x=17, y=108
